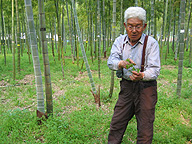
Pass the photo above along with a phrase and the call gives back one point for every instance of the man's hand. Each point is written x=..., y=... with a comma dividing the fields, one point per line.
x=124, y=63
x=136, y=76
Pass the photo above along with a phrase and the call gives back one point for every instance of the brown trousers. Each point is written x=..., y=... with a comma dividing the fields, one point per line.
x=139, y=99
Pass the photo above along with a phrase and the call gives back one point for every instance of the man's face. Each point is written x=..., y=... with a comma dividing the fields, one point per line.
x=134, y=28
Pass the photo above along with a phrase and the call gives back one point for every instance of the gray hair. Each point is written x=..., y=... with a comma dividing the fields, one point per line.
x=135, y=12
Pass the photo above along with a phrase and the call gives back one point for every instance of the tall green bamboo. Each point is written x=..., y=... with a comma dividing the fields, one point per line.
x=3, y=37
x=178, y=36
x=88, y=28
x=91, y=30
x=152, y=18
x=121, y=17
x=6, y=43
x=48, y=88
x=13, y=41
x=23, y=31
x=83, y=50
x=181, y=49
x=70, y=35
x=55, y=36
x=9, y=36
x=38, y=35
x=61, y=42
x=58, y=28
x=136, y=2
x=113, y=39
x=109, y=25
x=21, y=34
x=73, y=36
x=0, y=36
x=27, y=41
x=99, y=37
x=52, y=40
x=174, y=25
x=76, y=50
x=190, y=51
x=35, y=55
x=149, y=18
x=164, y=27
x=63, y=31
x=155, y=21
x=169, y=28
x=104, y=31
x=187, y=28
x=18, y=38
x=161, y=33
x=96, y=25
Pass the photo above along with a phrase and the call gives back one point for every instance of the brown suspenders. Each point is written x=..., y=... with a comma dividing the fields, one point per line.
x=124, y=43
x=143, y=55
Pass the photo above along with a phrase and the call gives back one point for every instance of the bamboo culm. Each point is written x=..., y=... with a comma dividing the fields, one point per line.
x=82, y=49
x=35, y=55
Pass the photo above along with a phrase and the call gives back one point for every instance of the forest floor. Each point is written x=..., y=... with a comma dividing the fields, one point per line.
x=76, y=118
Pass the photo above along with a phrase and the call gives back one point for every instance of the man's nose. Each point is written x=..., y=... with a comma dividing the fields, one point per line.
x=134, y=29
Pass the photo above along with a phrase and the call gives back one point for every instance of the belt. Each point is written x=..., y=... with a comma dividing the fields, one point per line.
x=144, y=83
x=138, y=81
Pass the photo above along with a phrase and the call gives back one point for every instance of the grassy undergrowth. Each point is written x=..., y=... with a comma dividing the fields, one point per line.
x=76, y=119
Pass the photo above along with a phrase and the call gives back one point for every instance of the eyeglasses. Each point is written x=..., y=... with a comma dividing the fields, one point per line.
x=132, y=27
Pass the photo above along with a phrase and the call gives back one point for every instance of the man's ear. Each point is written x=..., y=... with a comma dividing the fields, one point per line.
x=145, y=25
x=125, y=25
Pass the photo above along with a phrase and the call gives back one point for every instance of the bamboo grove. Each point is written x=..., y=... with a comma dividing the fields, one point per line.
x=92, y=24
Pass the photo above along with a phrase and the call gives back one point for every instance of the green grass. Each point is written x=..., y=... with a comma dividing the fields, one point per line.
x=76, y=118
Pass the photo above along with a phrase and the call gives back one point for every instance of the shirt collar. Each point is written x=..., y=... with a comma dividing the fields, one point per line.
x=141, y=40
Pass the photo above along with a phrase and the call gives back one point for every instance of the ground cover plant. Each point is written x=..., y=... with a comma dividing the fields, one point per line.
x=76, y=118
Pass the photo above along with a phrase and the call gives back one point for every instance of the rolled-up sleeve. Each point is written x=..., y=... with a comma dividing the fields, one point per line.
x=152, y=63
x=115, y=55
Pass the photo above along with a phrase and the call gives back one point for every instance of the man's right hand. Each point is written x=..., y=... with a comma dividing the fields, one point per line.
x=124, y=63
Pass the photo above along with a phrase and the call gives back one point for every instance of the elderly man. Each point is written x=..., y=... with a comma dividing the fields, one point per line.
x=138, y=95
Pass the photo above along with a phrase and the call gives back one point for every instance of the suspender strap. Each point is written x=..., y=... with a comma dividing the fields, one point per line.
x=143, y=55
x=124, y=42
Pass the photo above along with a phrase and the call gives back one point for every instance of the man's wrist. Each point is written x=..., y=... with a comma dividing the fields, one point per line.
x=143, y=76
x=119, y=64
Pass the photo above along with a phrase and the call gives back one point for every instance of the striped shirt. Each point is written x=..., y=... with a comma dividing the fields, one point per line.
x=152, y=64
